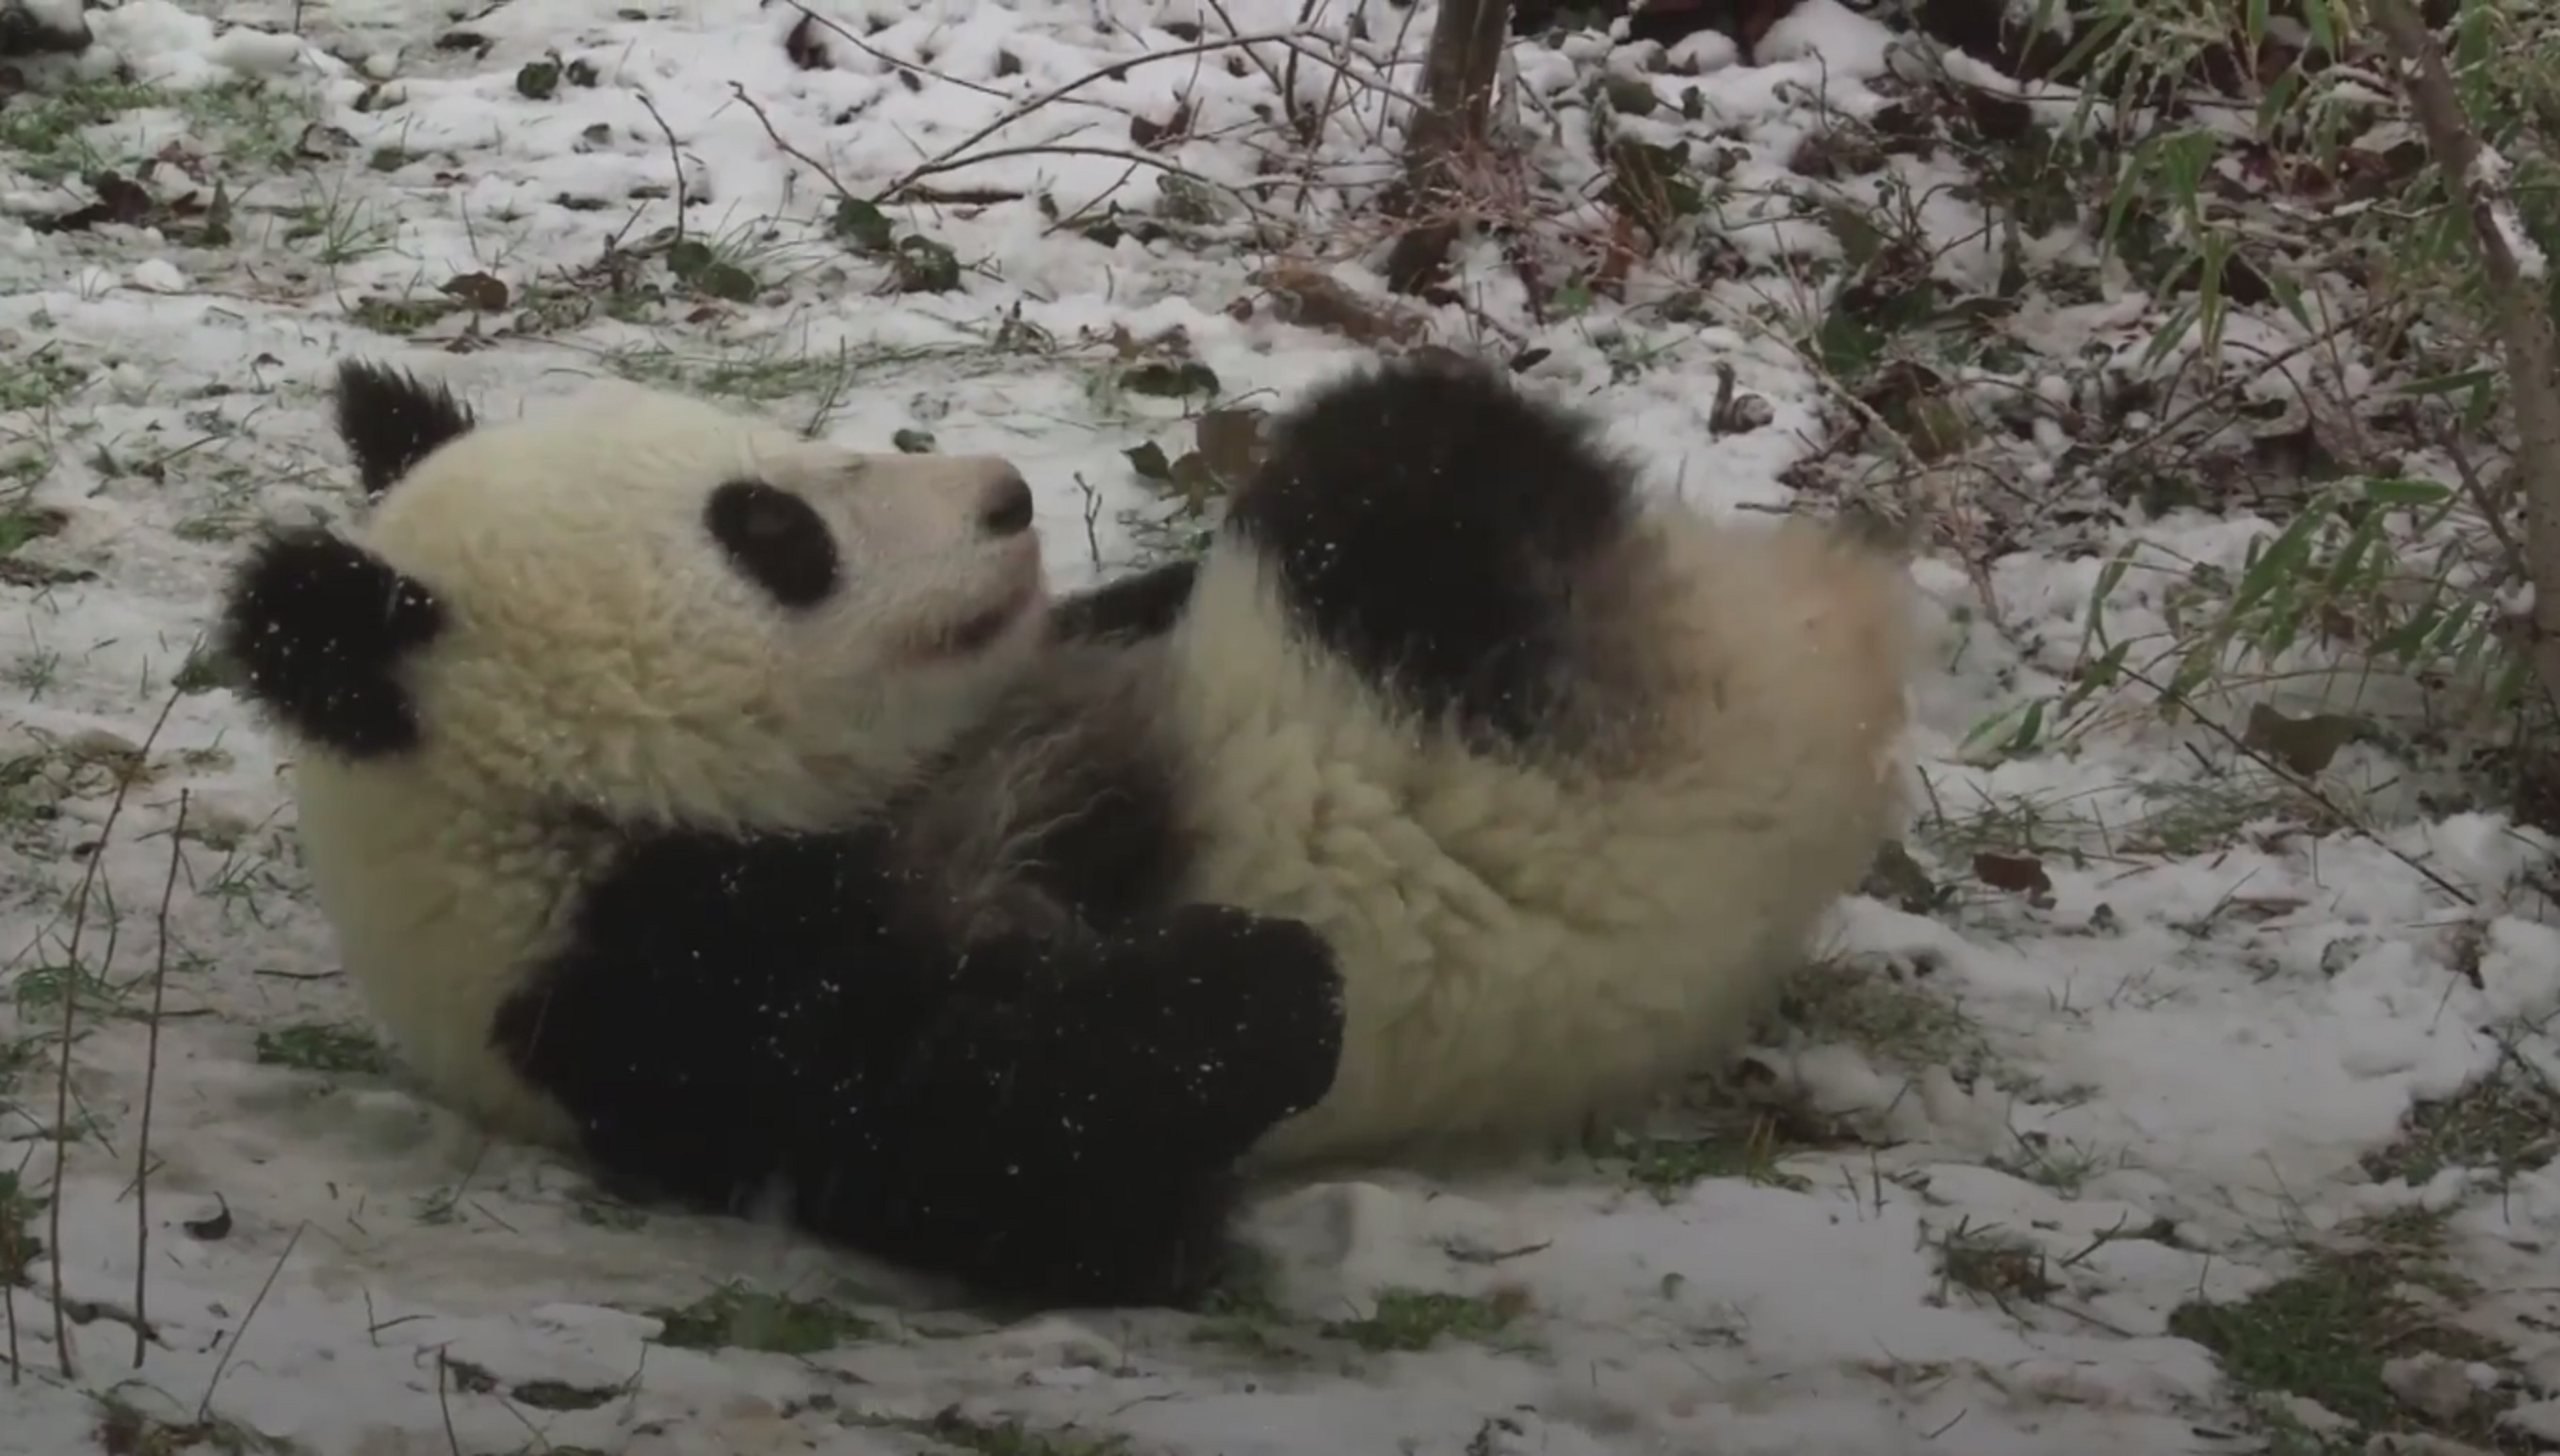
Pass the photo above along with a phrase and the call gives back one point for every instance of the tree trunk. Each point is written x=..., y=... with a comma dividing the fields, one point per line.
x=2523, y=312
x=1458, y=86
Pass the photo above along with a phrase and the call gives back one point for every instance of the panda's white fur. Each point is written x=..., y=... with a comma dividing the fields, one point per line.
x=600, y=657
x=593, y=803
x=1529, y=941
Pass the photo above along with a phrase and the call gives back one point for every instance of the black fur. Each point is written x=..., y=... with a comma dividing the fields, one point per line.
x=318, y=627
x=1118, y=853
x=1009, y=508
x=1105, y=838
x=1135, y=607
x=1053, y=1120
x=777, y=539
x=1431, y=524
x=392, y=421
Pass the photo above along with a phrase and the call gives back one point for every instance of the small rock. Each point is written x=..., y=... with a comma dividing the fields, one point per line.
x=1060, y=1341
x=253, y=52
x=103, y=745
x=2430, y=1384
x=129, y=384
x=157, y=276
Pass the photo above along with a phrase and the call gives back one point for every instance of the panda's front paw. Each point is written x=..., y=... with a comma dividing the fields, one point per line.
x=1253, y=1002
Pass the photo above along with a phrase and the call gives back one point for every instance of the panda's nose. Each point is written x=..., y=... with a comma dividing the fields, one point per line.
x=1007, y=508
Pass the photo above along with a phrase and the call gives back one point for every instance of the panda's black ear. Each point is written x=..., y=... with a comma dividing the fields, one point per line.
x=392, y=421
x=317, y=626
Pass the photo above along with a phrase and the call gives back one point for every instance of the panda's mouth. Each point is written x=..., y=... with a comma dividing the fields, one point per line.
x=976, y=633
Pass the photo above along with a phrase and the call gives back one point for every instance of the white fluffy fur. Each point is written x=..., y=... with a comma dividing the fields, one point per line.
x=598, y=654
x=1532, y=941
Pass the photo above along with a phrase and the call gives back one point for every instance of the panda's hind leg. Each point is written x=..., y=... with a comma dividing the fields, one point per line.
x=1431, y=526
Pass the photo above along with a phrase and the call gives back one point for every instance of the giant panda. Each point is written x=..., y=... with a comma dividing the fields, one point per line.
x=742, y=812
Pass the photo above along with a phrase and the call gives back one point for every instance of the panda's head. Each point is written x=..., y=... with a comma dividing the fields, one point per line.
x=639, y=606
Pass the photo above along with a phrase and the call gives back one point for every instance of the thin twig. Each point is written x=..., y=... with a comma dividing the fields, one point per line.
x=953, y=164
x=1070, y=149
x=70, y=1011
x=2486, y=501
x=944, y=160
x=824, y=173
x=444, y=1403
x=2296, y=783
x=9, y=1271
x=205, y=1404
x=675, y=158
x=1268, y=73
x=150, y=1083
x=886, y=59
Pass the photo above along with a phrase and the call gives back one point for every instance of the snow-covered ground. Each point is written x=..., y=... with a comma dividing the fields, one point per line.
x=2154, y=1044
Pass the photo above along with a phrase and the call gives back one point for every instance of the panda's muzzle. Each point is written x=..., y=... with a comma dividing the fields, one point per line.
x=1024, y=584
x=976, y=633
x=1007, y=509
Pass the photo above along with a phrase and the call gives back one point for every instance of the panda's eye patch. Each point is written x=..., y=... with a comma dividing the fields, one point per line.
x=777, y=538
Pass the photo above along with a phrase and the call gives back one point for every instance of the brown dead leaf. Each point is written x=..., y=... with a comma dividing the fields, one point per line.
x=1309, y=298
x=2018, y=873
x=806, y=47
x=176, y=155
x=479, y=291
x=17, y=573
x=1231, y=442
x=1995, y=117
x=1194, y=483
x=120, y=200
x=1897, y=879
x=2303, y=744
x=37, y=524
x=1154, y=135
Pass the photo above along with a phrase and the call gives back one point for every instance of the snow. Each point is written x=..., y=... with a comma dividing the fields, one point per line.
x=2159, y=1072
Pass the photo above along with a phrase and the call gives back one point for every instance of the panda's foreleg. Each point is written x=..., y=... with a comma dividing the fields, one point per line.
x=1129, y=608
x=1432, y=527
x=745, y=1023
x=1072, y=1136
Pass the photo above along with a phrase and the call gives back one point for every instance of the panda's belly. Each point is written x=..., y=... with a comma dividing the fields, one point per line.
x=1516, y=960
x=1522, y=947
